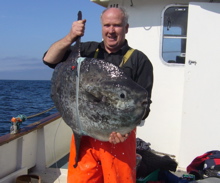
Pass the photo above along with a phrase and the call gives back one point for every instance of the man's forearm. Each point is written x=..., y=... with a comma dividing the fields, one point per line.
x=57, y=50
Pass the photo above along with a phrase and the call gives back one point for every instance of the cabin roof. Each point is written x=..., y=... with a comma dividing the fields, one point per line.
x=103, y=3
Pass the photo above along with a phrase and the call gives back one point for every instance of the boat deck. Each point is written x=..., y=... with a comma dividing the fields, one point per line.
x=57, y=173
x=62, y=163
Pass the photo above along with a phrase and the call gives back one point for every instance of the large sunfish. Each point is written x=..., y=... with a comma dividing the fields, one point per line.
x=95, y=98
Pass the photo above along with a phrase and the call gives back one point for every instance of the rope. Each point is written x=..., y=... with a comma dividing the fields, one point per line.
x=40, y=113
x=79, y=61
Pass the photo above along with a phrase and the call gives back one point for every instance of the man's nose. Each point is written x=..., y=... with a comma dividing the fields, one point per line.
x=112, y=29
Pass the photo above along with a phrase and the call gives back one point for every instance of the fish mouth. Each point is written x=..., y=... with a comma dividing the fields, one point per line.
x=145, y=103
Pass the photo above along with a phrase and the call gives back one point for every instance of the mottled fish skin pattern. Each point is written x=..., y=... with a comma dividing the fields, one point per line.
x=108, y=100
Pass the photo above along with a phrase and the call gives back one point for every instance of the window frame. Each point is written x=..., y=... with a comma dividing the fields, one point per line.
x=168, y=36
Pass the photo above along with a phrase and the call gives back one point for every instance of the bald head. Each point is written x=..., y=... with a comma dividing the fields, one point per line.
x=118, y=10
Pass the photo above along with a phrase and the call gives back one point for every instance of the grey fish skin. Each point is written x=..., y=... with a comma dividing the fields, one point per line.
x=108, y=100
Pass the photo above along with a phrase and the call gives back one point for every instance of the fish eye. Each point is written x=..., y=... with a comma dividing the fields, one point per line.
x=122, y=95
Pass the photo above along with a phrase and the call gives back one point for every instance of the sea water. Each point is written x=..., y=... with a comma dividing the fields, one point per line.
x=27, y=97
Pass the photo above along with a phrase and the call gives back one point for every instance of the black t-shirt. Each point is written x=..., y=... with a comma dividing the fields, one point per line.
x=138, y=66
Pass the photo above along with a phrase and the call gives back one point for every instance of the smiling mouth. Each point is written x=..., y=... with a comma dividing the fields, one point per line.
x=112, y=39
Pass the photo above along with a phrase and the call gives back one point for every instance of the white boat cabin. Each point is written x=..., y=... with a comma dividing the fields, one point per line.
x=181, y=38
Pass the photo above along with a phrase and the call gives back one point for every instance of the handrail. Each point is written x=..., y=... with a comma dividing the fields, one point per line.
x=30, y=128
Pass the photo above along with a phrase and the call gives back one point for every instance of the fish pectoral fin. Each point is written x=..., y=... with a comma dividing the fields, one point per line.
x=95, y=97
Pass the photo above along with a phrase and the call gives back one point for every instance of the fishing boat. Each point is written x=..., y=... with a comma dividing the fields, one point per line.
x=181, y=38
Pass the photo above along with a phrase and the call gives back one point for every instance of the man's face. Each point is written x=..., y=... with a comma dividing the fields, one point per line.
x=113, y=30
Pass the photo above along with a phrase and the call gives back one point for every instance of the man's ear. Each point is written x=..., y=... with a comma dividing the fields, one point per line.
x=126, y=28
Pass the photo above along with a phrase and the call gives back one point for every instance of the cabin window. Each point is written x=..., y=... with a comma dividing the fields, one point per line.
x=174, y=34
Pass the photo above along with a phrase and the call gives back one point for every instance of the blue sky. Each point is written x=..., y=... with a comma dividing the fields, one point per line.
x=29, y=27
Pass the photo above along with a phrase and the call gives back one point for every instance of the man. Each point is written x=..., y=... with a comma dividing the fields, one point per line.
x=113, y=161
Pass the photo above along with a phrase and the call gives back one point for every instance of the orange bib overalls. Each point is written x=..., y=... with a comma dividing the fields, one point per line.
x=103, y=162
